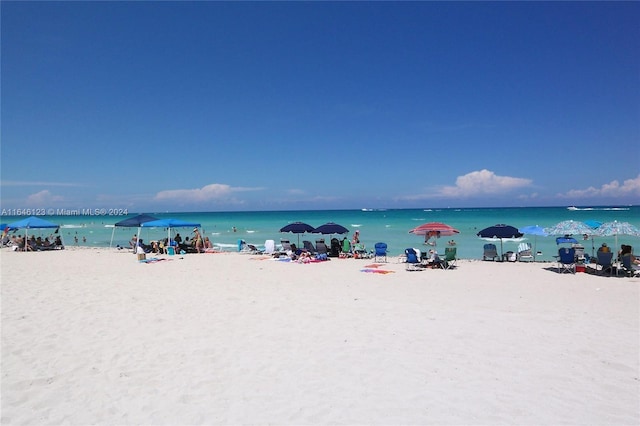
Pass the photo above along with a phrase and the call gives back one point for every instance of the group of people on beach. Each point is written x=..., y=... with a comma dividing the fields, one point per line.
x=33, y=243
x=195, y=244
x=625, y=250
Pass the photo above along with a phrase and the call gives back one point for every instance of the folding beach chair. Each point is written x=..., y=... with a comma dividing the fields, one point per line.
x=380, y=252
x=450, y=258
x=414, y=263
x=490, y=252
x=566, y=260
x=524, y=252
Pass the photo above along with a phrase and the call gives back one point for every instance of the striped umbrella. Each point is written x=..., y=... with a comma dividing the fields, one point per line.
x=434, y=229
x=569, y=227
x=616, y=228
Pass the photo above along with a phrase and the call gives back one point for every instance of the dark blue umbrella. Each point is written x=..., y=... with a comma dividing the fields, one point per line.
x=501, y=232
x=297, y=228
x=331, y=228
x=132, y=222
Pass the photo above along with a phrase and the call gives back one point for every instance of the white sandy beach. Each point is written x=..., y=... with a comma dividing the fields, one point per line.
x=92, y=336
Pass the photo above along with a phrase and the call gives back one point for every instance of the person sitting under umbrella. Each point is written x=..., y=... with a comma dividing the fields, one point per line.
x=433, y=261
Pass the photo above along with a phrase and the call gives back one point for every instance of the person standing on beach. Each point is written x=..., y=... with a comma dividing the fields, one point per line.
x=197, y=240
x=356, y=238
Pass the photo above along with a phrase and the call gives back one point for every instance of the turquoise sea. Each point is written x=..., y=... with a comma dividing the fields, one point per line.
x=390, y=226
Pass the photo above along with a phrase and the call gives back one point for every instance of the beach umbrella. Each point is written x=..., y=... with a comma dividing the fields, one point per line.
x=132, y=222
x=500, y=232
x=331, y=228
x=536, y=231
x=434, y=229
x=569, y=227
x=169, y=223
x=616, y=228
x=31, y=222
x=594, y=224
x=297, y=228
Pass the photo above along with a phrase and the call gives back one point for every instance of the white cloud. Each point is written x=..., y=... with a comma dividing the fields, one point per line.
x=481, y=183
x=613, y=189
x=214, y=191
x=43, y=198
x=478, y=183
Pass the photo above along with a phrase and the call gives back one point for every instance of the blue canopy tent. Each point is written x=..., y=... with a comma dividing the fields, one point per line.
x=132, y=222
x=169, y=223
x=32, y=222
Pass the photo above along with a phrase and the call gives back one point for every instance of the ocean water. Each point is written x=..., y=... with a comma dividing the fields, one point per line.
x=390, y=226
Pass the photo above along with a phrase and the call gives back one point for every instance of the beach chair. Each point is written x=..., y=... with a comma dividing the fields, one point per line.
x=249, y=249
x=335, y=248
x=629, y=268
x=286, y=246
x=308, y=246
x=581, y=256
x=450, y=258
x=321, y=247
x=490, y=252
x=414, y=263
x=604, y=259
x=269, y=247
x=380, y=252
x=359, y=251
x=524, y=252
x=566, y=260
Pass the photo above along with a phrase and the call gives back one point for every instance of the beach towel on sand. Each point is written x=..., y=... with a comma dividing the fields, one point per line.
x=376, y=271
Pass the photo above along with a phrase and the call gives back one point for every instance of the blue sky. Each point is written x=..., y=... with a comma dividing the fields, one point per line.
x=225, y=106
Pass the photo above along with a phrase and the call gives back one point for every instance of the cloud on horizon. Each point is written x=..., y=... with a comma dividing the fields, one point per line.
x=477, y=183
x=211, y=192
x=613, y=189
x=43, y=198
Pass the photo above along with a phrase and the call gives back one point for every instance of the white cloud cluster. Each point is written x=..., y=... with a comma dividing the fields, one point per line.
x=43, y=198
x=628, y=188
x=214, y=191
x=482, y=182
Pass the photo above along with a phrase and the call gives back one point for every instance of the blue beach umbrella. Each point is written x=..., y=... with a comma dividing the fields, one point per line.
x=31, y=222
x=132, y=222
x=536, y=231
x=169, y=223
x=595, y=224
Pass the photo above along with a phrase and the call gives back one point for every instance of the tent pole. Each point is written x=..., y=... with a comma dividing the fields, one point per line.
x=112, y=232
